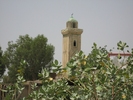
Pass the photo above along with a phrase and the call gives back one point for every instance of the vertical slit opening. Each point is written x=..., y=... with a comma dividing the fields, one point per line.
x=74, y=43
x=74, y=25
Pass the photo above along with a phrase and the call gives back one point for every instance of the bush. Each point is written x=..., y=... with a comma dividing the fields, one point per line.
x=91, y=77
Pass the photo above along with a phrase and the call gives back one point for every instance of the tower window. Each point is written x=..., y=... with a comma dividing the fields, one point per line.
x=74, y=43
x=74, y=25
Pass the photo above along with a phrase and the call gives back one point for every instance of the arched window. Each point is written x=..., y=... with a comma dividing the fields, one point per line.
x=74, y=25
x=74, y=43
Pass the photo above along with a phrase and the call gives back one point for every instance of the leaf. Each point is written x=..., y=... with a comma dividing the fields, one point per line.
x=119, y=56
x=108, y=72
x=95, y=44
x=80, y=53
x=4, y=90
x=87, y=69
x=99, y=88
x=98, y=56
x=56, y=62
x=93, y=68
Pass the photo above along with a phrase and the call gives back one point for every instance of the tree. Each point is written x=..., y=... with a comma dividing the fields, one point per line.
x=35, y=52
x=2, y=66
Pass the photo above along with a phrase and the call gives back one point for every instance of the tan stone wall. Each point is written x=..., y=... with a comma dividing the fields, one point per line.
x=65, y=54
x=69, y=36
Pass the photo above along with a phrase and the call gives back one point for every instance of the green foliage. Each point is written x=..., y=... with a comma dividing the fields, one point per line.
x=13, y=90
x=2, y=66
x=36, y=52
x=91, y=77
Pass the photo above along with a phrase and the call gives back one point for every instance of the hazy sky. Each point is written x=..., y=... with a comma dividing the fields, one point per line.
x=103, y=21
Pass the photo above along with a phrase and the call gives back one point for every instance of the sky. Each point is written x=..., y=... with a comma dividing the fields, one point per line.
x=104, y=22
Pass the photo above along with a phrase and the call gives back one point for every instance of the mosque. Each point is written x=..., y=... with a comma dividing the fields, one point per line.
x=71, y=40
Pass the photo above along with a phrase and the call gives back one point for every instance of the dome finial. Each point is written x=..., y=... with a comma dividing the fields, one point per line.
x=72, y=19
x=72, y=15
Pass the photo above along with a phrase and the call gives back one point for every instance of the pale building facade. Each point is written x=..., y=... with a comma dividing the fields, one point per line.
x=71, y=40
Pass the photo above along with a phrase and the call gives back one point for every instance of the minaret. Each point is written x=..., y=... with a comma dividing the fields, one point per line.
x=71, y=40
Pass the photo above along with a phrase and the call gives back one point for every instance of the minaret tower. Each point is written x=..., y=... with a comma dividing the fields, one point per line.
x=71, y=40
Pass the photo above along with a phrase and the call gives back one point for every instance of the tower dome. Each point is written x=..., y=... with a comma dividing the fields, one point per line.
x=72, y=19
x=72, y=22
